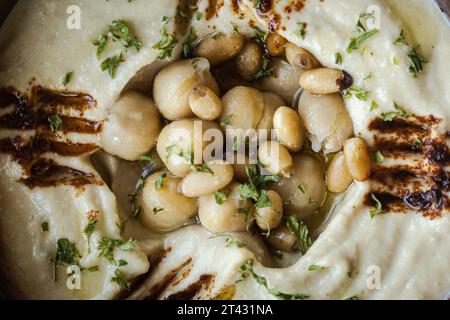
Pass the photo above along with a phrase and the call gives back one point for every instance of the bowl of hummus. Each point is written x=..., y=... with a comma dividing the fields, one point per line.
x=219, y=150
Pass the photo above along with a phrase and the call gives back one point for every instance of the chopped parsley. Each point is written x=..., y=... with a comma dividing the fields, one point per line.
x=159, y=184
x=302, y=188
x=108, y=245
x=401, y=39
x=100, y=43
x=230, y=241
x=301, y=31
x=120, y=280
x=260, y=36
x=67, y=77
x=416, y=59
x=263, y=200
x=44, y=226
x=374, y=105
x=89, y=230
x=235, y=27
x=55, y=122
x=188, y=43
x=300, y=232
x=227, y=121
x=145, y=158
x=362, y=33
x=202, y=168
x=120, y=32
x=247, y=269
x=221, y=196
x=357, y=92
x=157, y=210
x=66, y=253
x=198, y=16
x=265, y=71
x=338, y=58
x=398, y=112
x=315, y=267
x=378, y=207
x=167, y=42
x=111, y=64
x=378, y=157
x=352, y=298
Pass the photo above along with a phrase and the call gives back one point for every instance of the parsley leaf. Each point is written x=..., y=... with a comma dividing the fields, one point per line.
x=338, y=58
x=300, y=232
x=100, y=43
x=315, y=267
x=230, y=241
x=66, y=253
x=227, y=121
x=221, y=196
x=89, y=230
x=67, y=77
x=400, y=112
x=157, y=210
x=417, y=61
x=378, y=207
x=378, y=157
x=55, y=122
x=247, y=269
x=363, y=34
x=111, y=64
x=159, y=184
x=167, y=42
x=120, y=280
x=260, y=36
x=301, y=32
x=121, y=33
x=357, y=92
x=108, y=245
x=263, y=200
x=188, y=43
x=265, y=71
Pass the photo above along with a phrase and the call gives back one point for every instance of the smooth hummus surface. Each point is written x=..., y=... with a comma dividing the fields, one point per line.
x=408, y=248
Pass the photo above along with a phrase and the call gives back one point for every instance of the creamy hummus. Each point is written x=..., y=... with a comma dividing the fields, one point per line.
x=400, y=254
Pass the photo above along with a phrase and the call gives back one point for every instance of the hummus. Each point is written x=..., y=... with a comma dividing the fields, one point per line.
x=400, y=254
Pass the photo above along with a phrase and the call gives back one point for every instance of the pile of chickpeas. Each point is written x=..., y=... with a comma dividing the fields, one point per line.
x=186, y=91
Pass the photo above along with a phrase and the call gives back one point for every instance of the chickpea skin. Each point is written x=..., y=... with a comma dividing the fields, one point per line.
x=163, y=209
x=269, y=218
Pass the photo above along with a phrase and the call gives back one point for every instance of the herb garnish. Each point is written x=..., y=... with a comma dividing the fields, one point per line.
x=66, y=253
x=159, y=184
x=167, y=42
x=227, y=121
x=202, y=168
x=416, y=59
x=188, y=43
x=100, y=43
x=378, y=157
x=300, y=232
x=108, y=245
x=55, y=122
x=357, y=92
x=315, y=267
x=44, y=226
x=67, y=77
x=265, y=71
x=301, y=32
x=247, y=269
x=363, y=34
x=260, y=36
x=120, y=32
x=157, y=210
x=89, y=230
x=120, y=280
x=400, y=112
x=111, y=64
x=338, y=58
x=378, y=207
x=302, y=188
x=221, y=196
x=230, y=241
